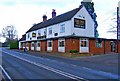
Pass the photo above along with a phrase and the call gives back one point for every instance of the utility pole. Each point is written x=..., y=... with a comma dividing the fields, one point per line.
x=118, y=25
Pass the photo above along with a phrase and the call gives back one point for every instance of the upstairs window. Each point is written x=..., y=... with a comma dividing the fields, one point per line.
x=79, y=23
x=39, y=33
x=45, y=30
x=50, y=31
x=28, y=36
x=62, y=28
x=33, y=34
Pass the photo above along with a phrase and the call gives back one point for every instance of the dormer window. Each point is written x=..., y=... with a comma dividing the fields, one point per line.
x=79, y=23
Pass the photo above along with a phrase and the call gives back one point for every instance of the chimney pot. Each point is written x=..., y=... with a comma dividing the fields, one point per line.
x=53, y=13
x=44, y=17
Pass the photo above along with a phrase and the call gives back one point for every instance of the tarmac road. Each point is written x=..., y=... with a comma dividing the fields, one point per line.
x=22, y=66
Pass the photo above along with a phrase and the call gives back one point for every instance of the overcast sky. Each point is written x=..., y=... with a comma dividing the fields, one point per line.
x=24, y=13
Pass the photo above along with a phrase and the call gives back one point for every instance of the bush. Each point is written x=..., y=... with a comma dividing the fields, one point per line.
x=73, y=51
x=14, y=45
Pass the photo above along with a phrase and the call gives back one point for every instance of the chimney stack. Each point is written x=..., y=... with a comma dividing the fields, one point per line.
x=53, y=13
x=44, y=17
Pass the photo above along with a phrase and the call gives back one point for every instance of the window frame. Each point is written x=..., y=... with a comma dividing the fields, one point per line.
x=50, y=31
x=61, y=43
x=28, y=36
x=99, y=44
x=39, y=33
x=38, y=44
x=32, y=44
x=80, y=25
x=49, y=43
x=83, y=42
x=62, y=26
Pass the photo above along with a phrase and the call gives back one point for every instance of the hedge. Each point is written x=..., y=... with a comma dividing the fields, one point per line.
x=73, y=51
x=14, y=45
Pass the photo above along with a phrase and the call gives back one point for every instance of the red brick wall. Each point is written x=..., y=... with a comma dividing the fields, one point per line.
x=43, y=46
x=71, y=44
x=55, y=45
x=93, y=49
x=35, y=46
x=29, y=45
x=68, y=45
x=119, y=47
x=107, y=46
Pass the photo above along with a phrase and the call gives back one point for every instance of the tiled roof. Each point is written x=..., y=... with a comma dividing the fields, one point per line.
x=23, y=38
x=60, y=18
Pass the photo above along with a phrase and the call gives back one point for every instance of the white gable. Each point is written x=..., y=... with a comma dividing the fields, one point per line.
x=89, y=24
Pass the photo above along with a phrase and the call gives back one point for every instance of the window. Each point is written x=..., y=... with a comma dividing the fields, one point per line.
x=50, y=31
x=50, y=43
x=39, y=33
x=84, y=42
x=61, y=43
x=27, y=44
x=45, y=30
x=38, y=44
x=33, y=34
x=80, y=23
x=99, y=43
x=32, y=44
x=28, y=36
x=62, y=28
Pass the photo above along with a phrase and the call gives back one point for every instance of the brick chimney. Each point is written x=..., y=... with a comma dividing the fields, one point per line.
x=53, y=13
x=44, y=17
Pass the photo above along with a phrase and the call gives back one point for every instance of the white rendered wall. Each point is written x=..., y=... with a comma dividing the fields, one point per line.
x=89, y=27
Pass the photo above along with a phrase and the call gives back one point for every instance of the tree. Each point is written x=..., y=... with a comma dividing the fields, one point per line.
x=9, y=32
x=89, y=5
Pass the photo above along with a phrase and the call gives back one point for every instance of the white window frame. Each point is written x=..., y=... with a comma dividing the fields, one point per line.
x=60, y=40
x=62, y=26
x=39, y=44
x=99, y=45
x=84, y=40
x=49, y=29
x=48, y=43
x=61, y=48
x=32, y=44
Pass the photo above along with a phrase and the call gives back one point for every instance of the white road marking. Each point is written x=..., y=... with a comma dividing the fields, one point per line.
x=89, y=69
x=6, y=73
x=50, y=68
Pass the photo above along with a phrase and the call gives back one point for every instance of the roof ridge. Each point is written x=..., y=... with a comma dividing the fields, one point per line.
x=57, y=19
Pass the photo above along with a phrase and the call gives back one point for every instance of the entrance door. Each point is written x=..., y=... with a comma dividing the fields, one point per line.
x=113, y=46
x=84, y=45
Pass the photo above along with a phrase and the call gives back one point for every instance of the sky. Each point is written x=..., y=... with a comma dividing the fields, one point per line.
x=24, y=13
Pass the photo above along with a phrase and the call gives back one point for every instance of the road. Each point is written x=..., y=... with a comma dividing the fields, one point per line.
x=23, y=66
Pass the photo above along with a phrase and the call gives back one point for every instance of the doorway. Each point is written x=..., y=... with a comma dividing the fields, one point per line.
x=113, y=46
